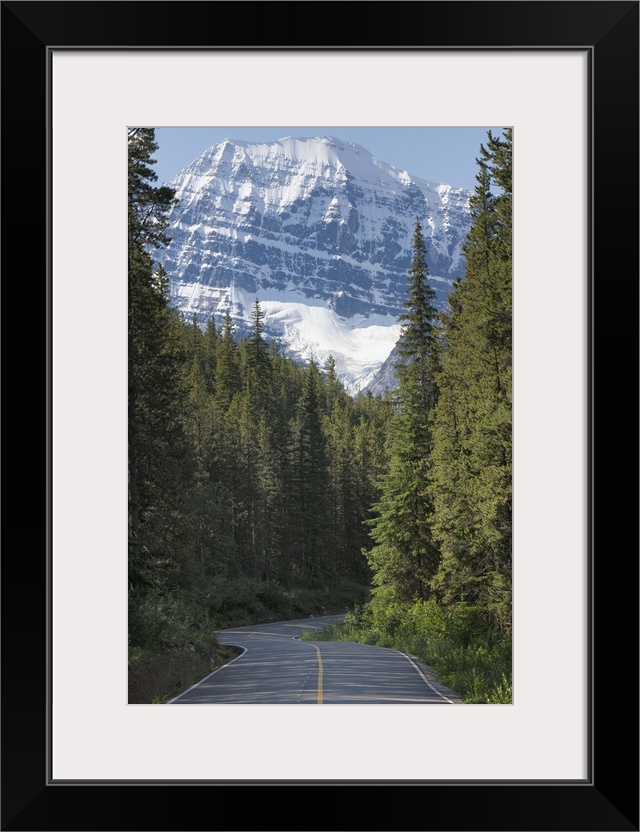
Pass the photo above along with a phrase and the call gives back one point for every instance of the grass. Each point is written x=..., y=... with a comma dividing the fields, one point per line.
x=465, y=654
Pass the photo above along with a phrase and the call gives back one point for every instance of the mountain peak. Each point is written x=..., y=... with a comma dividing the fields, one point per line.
x=319, y=231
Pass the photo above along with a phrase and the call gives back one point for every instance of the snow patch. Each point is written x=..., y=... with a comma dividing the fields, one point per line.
x=309, y=329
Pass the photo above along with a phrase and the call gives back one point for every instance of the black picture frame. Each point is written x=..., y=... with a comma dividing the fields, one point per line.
x=608, y=799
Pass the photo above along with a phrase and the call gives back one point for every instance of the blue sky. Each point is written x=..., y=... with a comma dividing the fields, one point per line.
x=440, y=154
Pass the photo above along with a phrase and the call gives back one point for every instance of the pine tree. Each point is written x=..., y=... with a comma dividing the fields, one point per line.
x=258, y=361
x=311, y=478
x=370, y=461
x=343, y=520
x=211, y=339
x=254, y=422
x=334, y=391
x=227, y=382
x=159, y=461
x=258, y=346
x=148, y=204
x=416, y=343
x=471, y=471
x=405, y=557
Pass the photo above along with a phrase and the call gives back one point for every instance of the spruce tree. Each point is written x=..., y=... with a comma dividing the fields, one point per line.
x=148, y=204
x=159, y=459
x=254, y=405
x=334, y=391
x=471, y=470
x=258, y=361
x=311, y=478
x=211, y=338
x=416, y=343
x=227, y=366
x=258, y=346
x=405, y=557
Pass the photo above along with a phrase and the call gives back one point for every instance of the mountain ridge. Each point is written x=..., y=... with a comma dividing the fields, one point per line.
x=319, y=232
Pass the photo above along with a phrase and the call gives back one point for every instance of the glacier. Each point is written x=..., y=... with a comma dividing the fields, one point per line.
x=319, y=232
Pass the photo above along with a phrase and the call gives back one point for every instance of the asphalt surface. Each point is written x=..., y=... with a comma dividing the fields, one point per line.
x=277, y=668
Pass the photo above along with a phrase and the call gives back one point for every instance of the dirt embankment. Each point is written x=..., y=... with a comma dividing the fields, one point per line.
x=154, y=679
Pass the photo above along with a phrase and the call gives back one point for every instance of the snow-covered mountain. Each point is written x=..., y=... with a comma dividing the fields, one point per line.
x=319, y=232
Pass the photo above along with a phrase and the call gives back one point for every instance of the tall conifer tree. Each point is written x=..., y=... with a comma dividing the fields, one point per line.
x=471, y=471
x=159, y=461
x=311, y=477
x=227, y=366
x=405, y=557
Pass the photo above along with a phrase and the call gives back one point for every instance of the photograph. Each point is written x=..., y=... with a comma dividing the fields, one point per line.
x=321, y=411
x=320, y=396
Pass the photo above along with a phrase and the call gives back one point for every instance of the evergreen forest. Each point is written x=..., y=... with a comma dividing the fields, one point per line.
x=260, y=490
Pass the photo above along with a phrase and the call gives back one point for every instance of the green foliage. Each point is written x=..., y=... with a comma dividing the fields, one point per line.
x=416, y=338
x=405, y=556
x=471, y=470
x=310, y=473
x=148, y=205
x=160, y=464
x=467, y=656
x=227, y=364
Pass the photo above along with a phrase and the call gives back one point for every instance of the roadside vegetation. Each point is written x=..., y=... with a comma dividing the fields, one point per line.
x=464, y=653
x=176, y=647
x=159, y=673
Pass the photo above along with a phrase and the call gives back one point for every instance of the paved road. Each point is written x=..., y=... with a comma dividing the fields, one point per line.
x=277, y=668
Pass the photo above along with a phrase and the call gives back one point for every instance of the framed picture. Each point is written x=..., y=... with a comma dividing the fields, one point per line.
x=565, y=76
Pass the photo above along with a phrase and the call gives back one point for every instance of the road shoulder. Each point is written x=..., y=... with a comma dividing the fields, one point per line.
x=433, y=680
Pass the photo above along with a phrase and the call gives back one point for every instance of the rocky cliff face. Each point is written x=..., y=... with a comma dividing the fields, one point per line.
x=320, y=233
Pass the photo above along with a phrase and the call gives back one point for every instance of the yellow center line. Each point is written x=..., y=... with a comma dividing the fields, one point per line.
x=320, y=671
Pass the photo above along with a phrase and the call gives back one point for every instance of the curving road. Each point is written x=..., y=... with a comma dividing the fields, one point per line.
x=277, y=668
